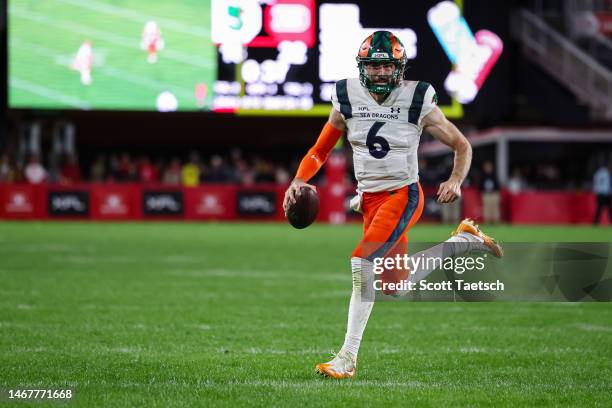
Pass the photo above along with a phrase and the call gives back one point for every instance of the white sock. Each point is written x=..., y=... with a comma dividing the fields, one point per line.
x=456, y=245
x=362, y=301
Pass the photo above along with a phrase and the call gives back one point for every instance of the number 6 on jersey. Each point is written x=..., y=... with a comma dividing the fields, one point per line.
x=372, y=140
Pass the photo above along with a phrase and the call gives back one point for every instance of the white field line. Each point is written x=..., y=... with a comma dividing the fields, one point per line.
x=152, y=84
x=253, y=274
x=331, y=294
x=48, y=93
x=132, y=43
x=594, y=327
x=290, y=352
x=138, y=17
x=45, y=247
x=315, y=383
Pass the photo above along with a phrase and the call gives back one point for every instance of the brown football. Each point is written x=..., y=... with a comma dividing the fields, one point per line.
x=305, y=210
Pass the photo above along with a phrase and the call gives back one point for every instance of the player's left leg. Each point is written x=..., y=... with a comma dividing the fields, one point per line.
x=466, y=238
x=152, y=53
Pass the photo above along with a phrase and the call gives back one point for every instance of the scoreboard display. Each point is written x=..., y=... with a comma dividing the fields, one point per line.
x=248, y=57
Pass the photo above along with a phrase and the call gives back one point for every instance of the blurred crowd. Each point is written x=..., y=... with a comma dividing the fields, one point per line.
x=121, y=167
x=234, y=167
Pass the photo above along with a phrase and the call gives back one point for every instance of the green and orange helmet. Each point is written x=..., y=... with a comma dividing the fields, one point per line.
x=381, y=47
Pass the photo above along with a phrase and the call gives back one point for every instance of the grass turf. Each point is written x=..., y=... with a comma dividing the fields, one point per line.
x=165, y=314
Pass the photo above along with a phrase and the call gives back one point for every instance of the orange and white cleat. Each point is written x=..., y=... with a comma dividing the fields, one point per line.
x=467, y=226
x=341, y=366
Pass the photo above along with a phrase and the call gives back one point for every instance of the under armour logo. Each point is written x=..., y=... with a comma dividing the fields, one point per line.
x=395, y=110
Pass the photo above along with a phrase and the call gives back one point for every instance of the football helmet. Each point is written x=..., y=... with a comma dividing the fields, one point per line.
x=381, y=47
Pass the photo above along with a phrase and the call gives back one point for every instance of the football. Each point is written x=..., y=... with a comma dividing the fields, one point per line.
x=305, y=209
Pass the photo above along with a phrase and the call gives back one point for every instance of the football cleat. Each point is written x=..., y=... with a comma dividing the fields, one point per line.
x=468, y=226
x=341, y=366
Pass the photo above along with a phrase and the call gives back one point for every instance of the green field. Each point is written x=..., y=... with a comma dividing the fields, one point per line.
x=196, y=314
x=44, y=37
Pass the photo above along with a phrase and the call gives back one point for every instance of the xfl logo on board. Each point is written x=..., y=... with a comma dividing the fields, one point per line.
x=162, y=203
x=68, y=203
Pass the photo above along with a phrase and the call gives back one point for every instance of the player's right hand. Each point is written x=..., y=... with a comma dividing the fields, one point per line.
x=293, y=192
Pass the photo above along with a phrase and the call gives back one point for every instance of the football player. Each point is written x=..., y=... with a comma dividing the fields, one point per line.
x=83, y=62
x=384, y=115
x=151, y=41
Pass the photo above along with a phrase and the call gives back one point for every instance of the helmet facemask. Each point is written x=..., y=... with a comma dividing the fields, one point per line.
x=393, y=80
x=379, y=48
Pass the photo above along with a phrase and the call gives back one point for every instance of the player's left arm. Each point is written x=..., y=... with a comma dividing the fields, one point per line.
x=436, y=124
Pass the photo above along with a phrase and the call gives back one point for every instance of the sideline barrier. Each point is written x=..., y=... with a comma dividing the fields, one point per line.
x=256, y=202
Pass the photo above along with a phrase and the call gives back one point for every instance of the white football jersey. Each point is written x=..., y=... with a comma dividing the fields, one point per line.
x=384, y=137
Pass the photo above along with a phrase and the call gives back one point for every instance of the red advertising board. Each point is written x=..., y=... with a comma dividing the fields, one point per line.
x=115, y=202
x=255, y=202
x=19, y=201
x=551, y=208
x=335, y=190
x=605, y=23
x=211, y=202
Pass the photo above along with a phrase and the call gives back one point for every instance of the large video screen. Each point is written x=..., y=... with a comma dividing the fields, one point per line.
x=111, y=54
x=241, y=56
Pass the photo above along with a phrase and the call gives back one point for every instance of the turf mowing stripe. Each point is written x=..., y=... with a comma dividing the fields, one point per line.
x=104, y=36
x=139, y=17
x=48, y=93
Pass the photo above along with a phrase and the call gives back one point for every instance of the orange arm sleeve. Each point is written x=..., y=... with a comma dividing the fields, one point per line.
x=317, y=155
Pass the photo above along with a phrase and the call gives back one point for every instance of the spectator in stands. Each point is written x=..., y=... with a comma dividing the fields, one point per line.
x=160, y=166
x=172, y=174
x=264, y=171
x=489, y=186
x=34, y=172
x=147, y=173
x=7, y=173
x=70, y=171
x=244, y=173
x=516, y=183
x=190, y=173
x=219, y=172
x=601, y=188
x=127, y=169
x=97, y=171
x=113, y=168
x=281, y=175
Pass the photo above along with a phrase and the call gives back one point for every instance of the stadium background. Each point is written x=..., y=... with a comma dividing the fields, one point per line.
x=226, y=311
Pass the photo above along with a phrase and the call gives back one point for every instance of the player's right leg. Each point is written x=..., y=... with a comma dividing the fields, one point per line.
x=85, y=76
